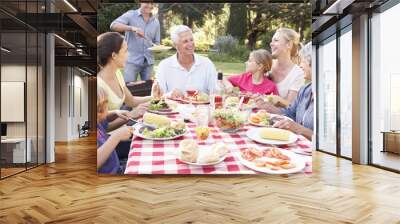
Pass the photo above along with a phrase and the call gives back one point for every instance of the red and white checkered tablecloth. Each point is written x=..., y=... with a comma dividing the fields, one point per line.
x=160, y=157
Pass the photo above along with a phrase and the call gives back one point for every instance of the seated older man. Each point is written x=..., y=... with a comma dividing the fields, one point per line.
x=185, y=70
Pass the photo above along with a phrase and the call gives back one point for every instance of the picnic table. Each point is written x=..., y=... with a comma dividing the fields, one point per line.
x=160, y=157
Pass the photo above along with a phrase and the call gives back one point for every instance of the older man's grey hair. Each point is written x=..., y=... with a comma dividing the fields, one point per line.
x=176, y=30
x=306, y=52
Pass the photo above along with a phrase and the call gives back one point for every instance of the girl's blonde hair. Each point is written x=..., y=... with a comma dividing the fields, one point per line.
x=293, y=37
x=262, y=57
x=101, y=100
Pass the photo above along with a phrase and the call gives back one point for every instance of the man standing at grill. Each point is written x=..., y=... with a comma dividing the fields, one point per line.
x=141, y=30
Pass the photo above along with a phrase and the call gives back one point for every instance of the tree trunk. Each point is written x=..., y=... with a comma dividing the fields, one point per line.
x=161, y=19
x=302, y=28
x=252, y=38
x=190, y=22
x=237, y=22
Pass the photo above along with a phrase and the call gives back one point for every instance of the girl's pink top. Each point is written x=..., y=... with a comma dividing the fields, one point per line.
x=245, y=83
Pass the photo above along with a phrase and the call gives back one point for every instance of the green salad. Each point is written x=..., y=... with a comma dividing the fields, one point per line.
x=163, y=132
x=158, y=105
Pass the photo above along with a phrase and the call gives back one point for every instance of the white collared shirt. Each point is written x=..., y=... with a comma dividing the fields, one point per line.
x=172, y=75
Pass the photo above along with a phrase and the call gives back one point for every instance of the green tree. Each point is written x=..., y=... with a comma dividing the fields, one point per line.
x=264, y=19
x=237, y=22
x=194, y=13
x=108, y=12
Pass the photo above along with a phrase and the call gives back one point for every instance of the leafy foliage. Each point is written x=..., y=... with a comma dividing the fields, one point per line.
x=237, y=23
x=225, y=44
x=108, y=12
x=264, y=19
x=250, y=25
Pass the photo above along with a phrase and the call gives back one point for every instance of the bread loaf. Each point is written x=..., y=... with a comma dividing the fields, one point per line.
x=156, y=120
x=274, y=134
x=189, y=150
x=208, y=156
x=220, y=148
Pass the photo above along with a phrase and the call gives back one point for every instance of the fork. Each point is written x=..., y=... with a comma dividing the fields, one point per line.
x=151, y=127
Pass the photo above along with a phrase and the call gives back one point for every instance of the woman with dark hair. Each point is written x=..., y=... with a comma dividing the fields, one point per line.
x=112, y=52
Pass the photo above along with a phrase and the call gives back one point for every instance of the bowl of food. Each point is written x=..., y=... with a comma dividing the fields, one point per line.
x=229, y=120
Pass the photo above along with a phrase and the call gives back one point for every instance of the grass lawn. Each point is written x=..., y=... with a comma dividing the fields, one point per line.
x=227, y=68
x=230, y=68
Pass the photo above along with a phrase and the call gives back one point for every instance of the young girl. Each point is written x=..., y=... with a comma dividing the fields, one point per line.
x=254, y=79
x=107, y=158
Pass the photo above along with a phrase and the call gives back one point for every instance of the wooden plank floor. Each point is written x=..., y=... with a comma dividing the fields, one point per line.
x=70, y=191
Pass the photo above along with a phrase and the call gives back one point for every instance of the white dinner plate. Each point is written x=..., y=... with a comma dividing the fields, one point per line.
x=161, y=112
x=294, y=158
x=204, y=164
x=254, y=134
x=137, y=133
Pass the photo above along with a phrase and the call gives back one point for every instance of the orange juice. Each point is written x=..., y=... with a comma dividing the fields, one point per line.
x=202, y=132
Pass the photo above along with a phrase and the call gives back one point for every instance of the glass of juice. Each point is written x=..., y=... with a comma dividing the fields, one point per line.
x=202, y=116
x=191, y=93
x=218, y=101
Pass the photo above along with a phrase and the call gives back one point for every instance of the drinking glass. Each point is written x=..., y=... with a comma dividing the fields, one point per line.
x=202, y=119
x=191, y=91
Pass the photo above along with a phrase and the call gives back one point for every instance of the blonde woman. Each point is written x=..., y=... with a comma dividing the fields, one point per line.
x=285, y=72
x=253, y=79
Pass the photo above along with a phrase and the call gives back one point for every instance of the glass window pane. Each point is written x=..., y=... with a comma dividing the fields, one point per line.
x=385, y=86
x=13, y=85
x=327, y=96
x=346, y=94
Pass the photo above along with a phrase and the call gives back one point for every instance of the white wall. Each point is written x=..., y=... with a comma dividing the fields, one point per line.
x=61, y=104
x=14, y=73
x=71, y=93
